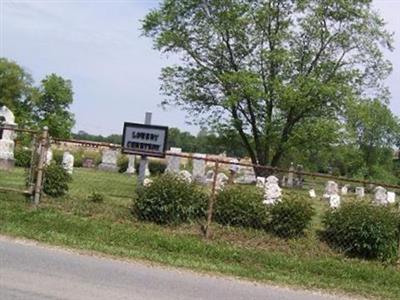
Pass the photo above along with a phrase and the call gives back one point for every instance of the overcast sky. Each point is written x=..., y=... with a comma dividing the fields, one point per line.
x=114, y=71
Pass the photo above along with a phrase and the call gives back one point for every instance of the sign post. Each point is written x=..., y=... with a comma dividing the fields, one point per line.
x=144, y=140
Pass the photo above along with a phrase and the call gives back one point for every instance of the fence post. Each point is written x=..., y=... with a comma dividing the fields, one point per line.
x=211, y=201
x=42, y=157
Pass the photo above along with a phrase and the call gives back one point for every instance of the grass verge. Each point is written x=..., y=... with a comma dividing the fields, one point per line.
x=84, y=229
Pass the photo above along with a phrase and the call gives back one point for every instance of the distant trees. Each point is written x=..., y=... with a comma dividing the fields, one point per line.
x=37, y=106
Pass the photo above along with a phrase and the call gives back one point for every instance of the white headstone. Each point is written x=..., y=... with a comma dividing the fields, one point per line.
x=49, y=156
x=7, y=137
x=222, y=179
x=186, y=176
x=312, y=193
x=331, y=188
x=260, y=182
x=233, y=167
x=199, y=167
x=391, y=197
x=273, y=192
x=109, y=160
x=360, y=192
x=380, y=196
x=68, y=162
x=344, y=190
x=334, y=201
x=147, y=182
x=290, y=180
x=131, y=165
x=173, y=162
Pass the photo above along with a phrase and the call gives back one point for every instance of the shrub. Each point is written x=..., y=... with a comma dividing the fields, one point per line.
x=96, y=197
x=58, y=156
x=123, y=163
x=56, y=181
x=359, y=228
x=170, y=200
x=23, y=157
x=157, y=167
x=291, y=216
x=241, y=206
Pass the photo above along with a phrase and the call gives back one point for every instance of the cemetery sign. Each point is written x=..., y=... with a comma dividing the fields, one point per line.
x=148, y=140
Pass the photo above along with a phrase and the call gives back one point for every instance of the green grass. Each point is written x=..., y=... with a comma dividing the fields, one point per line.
x=108, y=227
x=14, y=179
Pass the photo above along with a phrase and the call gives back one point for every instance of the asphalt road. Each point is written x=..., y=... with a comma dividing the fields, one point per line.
x=29, y=271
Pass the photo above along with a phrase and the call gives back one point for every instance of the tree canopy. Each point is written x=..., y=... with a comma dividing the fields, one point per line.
x=270, y=69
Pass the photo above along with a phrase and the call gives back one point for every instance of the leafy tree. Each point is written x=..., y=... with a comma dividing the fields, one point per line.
x=51, y=107
x=265, y=68
x=16, y=90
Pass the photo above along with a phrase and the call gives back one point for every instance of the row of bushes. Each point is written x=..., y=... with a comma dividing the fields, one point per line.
x=357, y=228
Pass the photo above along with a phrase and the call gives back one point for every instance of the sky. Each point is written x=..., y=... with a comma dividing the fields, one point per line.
x=114, y=70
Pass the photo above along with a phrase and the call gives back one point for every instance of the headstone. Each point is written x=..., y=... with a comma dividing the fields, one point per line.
x=131, y=165
x=7, y=137
x=109, y=161
x=344, y=190
x=331, y=188
x=88, y=163
x=360, y=192
x=380, y=196
x=173, y=162
x=273, y=192
x=68, y=162
x=334, y=201
x=49, y=156
x=290, y=180
x=199, y=168
x=222, y=179
x=210, y=176
x=233, y=167
x=391, y=197
x=247, y=177
x=260, y=182
x=299, y=176
x=312, y=193
x=147, y=182
x=186, y=176
x=283, y=181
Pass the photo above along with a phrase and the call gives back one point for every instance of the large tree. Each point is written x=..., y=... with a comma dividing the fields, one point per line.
x=265, y=67
x=51, y=106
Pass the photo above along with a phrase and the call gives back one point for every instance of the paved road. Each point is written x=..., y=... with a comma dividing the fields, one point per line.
x=29, y=271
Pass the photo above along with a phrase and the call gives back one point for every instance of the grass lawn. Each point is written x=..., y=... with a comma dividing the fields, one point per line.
x=109, y=227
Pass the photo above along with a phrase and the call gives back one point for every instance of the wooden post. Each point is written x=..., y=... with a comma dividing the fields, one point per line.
x=42, y=157
x=143, y=160
x=211, y=201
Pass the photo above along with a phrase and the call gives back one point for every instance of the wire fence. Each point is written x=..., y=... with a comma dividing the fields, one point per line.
x=223, y=192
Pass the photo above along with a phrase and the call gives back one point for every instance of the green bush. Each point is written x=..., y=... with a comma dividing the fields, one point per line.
x=359, y=228
x=157, y=167
x=58, y=156
x=291, y=216
x=123, y=163
x=96, y=197
x=22, y=157
x=241, y=206
x=56, y=180
x=170, y=200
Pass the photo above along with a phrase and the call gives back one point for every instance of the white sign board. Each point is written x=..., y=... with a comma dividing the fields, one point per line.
x=149, y=140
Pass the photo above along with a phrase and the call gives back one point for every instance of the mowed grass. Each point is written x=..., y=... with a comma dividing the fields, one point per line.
x=109, y=227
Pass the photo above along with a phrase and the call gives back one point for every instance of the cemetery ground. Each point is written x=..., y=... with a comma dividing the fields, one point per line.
x=78, y=221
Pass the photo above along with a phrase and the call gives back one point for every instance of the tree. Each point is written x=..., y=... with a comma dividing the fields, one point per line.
x=51, y=107
x=16, y=90
x=266, y=67
x=374, y=130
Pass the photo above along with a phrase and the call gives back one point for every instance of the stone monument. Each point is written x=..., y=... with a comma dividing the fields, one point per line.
x=68, y=162
x=273, y=192
x=131, y=165
x=380, y=196
x=7, y=137
x=173, y=162
x=199, y=168
x=391, y=197
x=360, y=192
x=109, y=161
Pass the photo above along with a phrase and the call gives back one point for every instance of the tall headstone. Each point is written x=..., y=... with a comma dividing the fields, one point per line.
x=199, y=167
x=360, y=192
x=290, y=180
x=49, y=156
x=273, y=192
x=331, y=194
x=380, y=196
x=109, y=161
x=7, y=137
x=68, y=162
x=131, y=165
x=173, y=162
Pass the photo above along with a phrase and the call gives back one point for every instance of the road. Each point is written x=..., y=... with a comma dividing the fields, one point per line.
x=30, y=271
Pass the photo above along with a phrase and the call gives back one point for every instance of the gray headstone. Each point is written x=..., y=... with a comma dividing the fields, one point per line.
x=7, y=137
x=360, y=192
x=109, y=161
x=68, y=162
x=199, y=167
x=380, y=196
x=173, y=162
x=131, y=165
